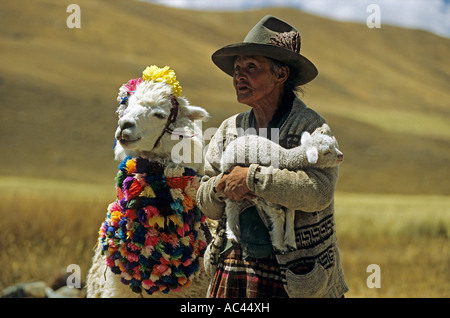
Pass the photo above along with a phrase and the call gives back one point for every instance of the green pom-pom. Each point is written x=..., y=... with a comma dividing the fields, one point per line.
x=121, y=175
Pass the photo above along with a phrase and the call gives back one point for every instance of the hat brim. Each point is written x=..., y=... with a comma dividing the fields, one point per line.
x=304, y=69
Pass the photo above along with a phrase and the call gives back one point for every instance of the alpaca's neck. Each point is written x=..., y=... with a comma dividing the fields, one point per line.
x=187, y=152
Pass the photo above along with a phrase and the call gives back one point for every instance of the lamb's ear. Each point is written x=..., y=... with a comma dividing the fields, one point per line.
x=325, y=129
x=195, y=113
x=305, y=137
x=312, y=154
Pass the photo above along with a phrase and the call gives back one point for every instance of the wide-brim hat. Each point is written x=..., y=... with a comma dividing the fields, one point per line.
x=272, y=38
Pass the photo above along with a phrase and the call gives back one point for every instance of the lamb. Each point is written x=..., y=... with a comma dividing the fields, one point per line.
x=319, y=150
x=153, y=239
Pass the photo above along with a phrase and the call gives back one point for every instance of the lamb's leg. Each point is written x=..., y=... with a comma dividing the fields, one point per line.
x=289, y=234
x=232, y=211
x=276, y=216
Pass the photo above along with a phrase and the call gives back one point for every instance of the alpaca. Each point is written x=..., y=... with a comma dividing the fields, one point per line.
x=152, y=240
x=319, y=150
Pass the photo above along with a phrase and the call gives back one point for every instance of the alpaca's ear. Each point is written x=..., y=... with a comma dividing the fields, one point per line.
x=195, y=113
x=305, y=137
x=312, y=154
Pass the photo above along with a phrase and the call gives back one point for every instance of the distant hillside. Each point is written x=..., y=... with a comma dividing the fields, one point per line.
x=385, y=92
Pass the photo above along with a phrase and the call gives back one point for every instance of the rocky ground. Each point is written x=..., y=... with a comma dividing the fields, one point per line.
x=56, y=288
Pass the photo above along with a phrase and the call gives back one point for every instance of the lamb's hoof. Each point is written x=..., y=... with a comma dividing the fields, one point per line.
x=291, y=248
x=280, y=250
x=291, y=245
x=284, y=249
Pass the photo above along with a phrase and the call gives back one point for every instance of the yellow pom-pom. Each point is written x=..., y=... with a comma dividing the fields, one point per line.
x=131, y=166
x=148, y=192
x=156, y=219
x=165, y=74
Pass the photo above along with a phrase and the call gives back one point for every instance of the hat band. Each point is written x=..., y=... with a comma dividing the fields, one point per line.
x=289, y=40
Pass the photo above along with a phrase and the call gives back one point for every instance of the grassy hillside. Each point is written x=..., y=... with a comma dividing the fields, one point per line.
x=385, y=92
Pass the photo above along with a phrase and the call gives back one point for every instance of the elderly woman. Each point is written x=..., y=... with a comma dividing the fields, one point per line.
x=267, y=69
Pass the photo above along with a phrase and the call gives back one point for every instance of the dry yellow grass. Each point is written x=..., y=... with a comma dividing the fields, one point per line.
x=50, y=225
x=407, y=236
x=47, y=226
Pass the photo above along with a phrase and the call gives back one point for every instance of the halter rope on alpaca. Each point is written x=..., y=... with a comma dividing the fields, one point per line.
x=155, y=74
x=152, y=236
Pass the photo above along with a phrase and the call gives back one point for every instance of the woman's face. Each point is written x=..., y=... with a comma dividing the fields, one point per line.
x=253, y=79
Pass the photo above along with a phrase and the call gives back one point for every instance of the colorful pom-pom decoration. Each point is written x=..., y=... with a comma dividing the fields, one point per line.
x=153, y=233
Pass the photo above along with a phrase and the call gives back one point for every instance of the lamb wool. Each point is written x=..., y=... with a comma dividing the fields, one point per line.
x=152, y=235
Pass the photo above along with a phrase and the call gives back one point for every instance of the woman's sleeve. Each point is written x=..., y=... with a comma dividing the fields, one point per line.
x=209, y=201
x=308, y=190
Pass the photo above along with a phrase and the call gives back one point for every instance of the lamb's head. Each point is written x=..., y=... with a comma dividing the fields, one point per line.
x=150, y=111
x=322, y=148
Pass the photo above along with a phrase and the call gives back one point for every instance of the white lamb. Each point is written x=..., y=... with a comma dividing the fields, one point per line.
x=319, y=149
x=152, y=119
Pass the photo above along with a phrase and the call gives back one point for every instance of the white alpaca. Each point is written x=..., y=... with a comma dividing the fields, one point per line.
x=151, y=123
x=319, y=149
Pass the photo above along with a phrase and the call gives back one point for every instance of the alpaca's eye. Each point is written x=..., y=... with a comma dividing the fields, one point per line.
x=159, y=115
x=327, y=153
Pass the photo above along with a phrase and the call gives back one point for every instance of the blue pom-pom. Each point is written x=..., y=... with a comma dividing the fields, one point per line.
x=123, y=164
x=124, y=100
x=189, y=172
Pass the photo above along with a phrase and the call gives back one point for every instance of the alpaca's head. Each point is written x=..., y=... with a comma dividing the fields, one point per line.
x=143, y=118
x=322, y=147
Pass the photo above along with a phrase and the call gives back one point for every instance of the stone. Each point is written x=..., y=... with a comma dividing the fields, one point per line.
x=33, y=289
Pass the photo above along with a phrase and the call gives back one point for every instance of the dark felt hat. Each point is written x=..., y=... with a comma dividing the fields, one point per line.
x=272, y=38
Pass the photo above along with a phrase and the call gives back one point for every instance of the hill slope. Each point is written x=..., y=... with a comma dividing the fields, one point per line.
x=385, y=92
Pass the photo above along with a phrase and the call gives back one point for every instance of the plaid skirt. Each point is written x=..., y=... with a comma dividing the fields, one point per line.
x=236, y=277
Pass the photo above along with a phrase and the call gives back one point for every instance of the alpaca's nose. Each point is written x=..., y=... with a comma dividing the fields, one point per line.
x=126, y=123
x=340, y=156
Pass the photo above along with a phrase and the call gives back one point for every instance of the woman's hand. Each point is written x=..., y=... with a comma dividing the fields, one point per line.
x=234, y=184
